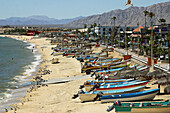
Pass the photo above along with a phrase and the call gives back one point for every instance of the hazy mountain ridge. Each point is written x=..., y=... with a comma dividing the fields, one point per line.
x=130, y=16
x=35, y=20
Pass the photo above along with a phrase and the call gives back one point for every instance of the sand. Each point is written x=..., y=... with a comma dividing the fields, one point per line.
x=57, y=98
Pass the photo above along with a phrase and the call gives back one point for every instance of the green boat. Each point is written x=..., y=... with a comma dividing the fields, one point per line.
x=143, y=107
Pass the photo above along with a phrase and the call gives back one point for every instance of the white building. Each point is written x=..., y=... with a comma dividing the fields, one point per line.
x=103, y=30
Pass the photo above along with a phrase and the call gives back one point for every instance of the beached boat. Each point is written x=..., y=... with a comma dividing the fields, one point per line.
x=86, y=57
x=90, y=85
x=93, y=95
x=106, y=81
x=109, y=70
x=105, y=61
x=121, y=86
x=57, y=53
x=143, y=107
x=137, y=96
x=120, y=65
x=89, y=68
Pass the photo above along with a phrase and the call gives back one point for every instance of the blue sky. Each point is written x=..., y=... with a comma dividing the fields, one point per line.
x=61, y=9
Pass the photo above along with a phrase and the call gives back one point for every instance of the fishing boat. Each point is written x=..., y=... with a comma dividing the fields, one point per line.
x=89, y=68
x=143, y=107
x=86, y=57
x=90, y=85
x=93, y=95
x=98, y=61
x=137, y=96
x=106, y=81
x=120, y=65
x=121, y=86
x=109, y=70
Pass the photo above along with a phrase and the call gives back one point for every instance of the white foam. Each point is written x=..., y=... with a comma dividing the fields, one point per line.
x=7, y=95
x=19, y=78
x=38, y=57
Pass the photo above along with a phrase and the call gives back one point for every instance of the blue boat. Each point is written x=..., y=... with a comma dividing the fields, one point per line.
x=90, y=96
x=137, y=96
x=89, y=85
x=102, y=81
x=110, y=70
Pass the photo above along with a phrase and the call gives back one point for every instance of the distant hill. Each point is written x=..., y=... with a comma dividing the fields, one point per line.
x=129, y=16
x=36, y=20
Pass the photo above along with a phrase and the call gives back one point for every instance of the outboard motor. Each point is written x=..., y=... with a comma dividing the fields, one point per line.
x=97, y=77
x=81, y=86
x=115, y=103
x=93, y=74
x=94, y=87
x=76, y=95
x=100, y=94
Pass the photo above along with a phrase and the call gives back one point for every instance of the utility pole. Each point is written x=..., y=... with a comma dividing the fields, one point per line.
x=119, y=36
x=151, y=41
x=126, y=43
x=138, y=38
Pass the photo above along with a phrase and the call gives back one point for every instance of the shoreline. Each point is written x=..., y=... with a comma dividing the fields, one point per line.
x=24, y=80
x=56, y=98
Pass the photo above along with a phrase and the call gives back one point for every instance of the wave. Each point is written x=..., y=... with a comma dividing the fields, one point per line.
x=22, y=81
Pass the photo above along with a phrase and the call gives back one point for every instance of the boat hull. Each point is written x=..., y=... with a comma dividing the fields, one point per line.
x=163, y=108
x=138, y=96
x=115, y=87
x=90, y=97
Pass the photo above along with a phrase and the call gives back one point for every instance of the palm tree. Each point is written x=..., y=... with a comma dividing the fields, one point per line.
x=114, y=18
x=85, y=26
x=161, y=21
x=94, y=24
x=151, y=15
x=146, y=13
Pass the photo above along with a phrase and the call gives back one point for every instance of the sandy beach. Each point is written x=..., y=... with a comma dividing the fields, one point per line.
x=57, y=98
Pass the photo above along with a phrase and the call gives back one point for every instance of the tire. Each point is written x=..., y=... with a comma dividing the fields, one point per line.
x=88, y=71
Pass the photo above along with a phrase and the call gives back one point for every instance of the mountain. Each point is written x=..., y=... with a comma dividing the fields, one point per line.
x=35, y=20
x=130, y=16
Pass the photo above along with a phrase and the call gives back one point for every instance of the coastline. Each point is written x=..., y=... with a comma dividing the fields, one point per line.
x=56, y=98
x=50, y=99
x=24, y=79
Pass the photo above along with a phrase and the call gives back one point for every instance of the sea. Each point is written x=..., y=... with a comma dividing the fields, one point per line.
x=19, y=61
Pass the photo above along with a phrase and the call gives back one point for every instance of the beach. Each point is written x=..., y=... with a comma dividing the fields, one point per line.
x=57, y=98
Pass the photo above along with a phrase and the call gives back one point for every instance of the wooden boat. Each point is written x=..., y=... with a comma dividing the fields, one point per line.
x=88, y=86
x=86, y=57
x=122, y=86
x=90, y=96
x=57, y=53
x=109, y=71
x=137, y=96
x=105, y=60
x=143, y=107
x=106, y=81
x=89, y=68
x=120, y=65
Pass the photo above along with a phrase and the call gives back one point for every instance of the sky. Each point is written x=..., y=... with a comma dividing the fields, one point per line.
x=62, y=9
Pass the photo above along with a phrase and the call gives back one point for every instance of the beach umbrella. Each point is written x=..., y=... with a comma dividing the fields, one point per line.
x=125, y=70
x=164, y=81
x=157, y=74
x=134, y=74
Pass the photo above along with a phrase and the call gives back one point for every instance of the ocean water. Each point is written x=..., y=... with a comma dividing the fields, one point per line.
x=18, y=63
